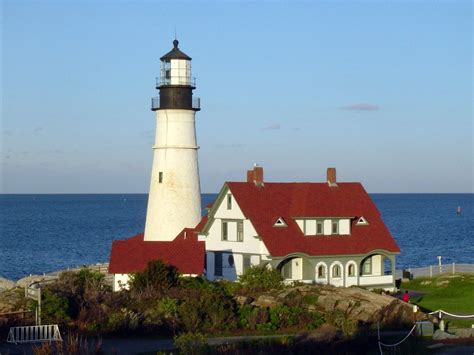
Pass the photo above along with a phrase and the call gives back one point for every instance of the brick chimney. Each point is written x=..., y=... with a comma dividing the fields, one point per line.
x=331, y=177
x=255, y=175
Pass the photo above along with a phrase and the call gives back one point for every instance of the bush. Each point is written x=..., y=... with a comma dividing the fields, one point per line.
x=156, y=276
x=315, y=320
x=207, y=310
x=284, y=316
x=260, y=278
x=191, y=343
x=245, y=312
x=54, y=308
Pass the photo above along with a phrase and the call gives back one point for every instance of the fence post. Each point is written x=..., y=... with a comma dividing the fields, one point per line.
x=454, y=268
x=431, y=271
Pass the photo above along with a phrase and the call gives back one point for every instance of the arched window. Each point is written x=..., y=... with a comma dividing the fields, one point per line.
x=336, y=271
x=351, y=270
x=321, y=271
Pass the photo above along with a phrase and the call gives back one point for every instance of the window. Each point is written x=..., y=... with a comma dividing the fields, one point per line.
x=225, y=233
x=160, y=177
x=229, y=202
x=336, y=271
x=335, y=227
x=321, y=272
x=351, y=270
x=217, y=264
x=287, y=273
x=367, y=268
x=240, y=231
x=280, y=222
x=246, y=262
x=362, y=221
x=319, y=228
x=230, y=260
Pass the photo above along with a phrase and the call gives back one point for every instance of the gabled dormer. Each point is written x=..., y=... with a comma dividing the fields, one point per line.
x=280, y=222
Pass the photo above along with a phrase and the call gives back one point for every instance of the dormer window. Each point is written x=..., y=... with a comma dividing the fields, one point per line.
x=280, y=222
x=362, y=221
x=335, y=227
x=319, y=227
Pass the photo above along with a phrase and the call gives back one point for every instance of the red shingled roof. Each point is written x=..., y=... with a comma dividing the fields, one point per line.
x=264, y=205
x=133, y=254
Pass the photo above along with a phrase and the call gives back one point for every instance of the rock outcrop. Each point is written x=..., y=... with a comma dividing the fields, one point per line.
x=354, y=303
x=6, y=284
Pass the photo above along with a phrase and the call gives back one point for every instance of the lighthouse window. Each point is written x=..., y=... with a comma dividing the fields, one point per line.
x=160, y=177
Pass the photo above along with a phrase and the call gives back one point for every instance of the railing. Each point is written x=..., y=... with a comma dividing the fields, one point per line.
x=432, y=270
x=34, y=334
x=155, y=103
x=175, y=80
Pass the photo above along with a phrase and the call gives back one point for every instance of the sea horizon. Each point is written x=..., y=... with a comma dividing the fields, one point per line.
x=42, y=232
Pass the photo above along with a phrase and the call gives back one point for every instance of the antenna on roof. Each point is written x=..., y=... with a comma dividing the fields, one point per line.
x=175, y=37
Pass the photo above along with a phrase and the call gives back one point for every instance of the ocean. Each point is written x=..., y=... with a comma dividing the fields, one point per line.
x=44, y=233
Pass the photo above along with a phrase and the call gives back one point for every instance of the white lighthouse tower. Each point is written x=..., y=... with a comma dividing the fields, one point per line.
x=174, y=200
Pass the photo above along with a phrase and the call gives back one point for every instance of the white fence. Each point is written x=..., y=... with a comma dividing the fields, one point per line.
x=433, y=270
x=34, y=334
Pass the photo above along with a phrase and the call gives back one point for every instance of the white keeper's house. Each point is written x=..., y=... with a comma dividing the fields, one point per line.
x=329, y=232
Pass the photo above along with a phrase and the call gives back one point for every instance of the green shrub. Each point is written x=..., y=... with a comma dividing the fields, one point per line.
x=260, y=278
x=340, y=320
x=229, y=287
x=191, y=343
x=245, y=311
x=54, y=308
x=156, y=276
x=123, y=319
x=284, y=316
x=207, y=310
x=258, y=316
x=196, y=283
x=310, y=299
x=315, y=320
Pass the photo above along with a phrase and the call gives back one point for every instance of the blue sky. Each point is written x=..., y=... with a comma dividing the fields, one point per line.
x=380, y=90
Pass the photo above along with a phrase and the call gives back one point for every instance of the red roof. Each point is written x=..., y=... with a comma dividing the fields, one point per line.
x=133, y=254
x=264, y=205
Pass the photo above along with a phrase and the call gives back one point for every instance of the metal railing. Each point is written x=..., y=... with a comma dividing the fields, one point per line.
x=155, y=103
x=175, y=80
x=34, y=334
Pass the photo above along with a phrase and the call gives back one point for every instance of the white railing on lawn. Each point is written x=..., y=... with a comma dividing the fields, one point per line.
x=34, y=334
x=433, y=270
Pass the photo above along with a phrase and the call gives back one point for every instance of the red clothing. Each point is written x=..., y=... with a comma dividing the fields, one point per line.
x=406, y=297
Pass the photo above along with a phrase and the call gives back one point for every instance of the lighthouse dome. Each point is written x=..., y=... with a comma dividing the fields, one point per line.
x=175, y=53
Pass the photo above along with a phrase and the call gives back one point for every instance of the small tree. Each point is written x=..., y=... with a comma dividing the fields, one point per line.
x=261, y=278
x=156, y=276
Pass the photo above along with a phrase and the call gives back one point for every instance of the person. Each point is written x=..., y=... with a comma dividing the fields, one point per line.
x=406, y=297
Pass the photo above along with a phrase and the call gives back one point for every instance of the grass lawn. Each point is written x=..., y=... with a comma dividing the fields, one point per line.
x=451, y=293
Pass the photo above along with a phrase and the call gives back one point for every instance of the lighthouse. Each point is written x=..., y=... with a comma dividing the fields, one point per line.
x=174, y=200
